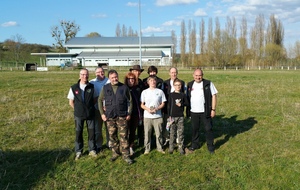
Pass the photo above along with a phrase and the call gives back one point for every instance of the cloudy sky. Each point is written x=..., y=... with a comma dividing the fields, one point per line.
x=33, y=19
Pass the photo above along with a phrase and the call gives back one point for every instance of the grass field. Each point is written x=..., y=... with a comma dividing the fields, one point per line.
x=257, y=136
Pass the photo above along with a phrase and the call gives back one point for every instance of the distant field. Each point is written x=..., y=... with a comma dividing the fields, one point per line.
x=257, y=136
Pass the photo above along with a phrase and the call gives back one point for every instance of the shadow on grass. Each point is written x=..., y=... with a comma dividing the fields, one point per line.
x=222, y=127
x=22, y=169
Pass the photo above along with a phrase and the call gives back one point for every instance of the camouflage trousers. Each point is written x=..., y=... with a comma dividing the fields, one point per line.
x=118, y=127
x=177, y=129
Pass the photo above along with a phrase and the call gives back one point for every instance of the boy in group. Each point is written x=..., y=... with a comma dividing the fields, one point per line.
x=168, y=87
x=152, y=101
x=152, y=71
x=82, y=98
x=176, y=102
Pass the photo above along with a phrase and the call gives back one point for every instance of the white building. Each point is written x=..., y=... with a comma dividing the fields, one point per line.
x=113, y=51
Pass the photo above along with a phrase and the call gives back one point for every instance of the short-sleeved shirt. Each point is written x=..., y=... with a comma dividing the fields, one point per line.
x=197, y=96
x=153, y=98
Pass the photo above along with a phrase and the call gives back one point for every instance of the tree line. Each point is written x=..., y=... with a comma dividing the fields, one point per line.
x=210, y=45
x=234, y=45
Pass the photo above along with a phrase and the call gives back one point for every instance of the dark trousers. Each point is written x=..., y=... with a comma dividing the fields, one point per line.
x=132, y=125
x=196, y=120
x=79, y=124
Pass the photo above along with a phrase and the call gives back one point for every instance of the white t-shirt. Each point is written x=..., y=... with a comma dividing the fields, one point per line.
x=153, y=97
x=197, y=96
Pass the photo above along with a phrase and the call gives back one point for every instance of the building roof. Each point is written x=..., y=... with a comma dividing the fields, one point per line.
x=119, y=54
x=119, y=41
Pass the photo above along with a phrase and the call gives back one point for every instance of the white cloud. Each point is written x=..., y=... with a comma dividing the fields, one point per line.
x=151, y=29
x=9, y=24
x=174, y=2
x=172, y=23
x=132, y=4
x=200, y=12
x=99, y=15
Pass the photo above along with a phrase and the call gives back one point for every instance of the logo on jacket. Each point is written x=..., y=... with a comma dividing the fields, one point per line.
x=89, y=91
x=76, y=92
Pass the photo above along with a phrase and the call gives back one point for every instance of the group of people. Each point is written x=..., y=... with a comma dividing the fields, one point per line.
x=130, y=110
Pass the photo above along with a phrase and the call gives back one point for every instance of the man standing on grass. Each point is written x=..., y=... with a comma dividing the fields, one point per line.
x=98, y=83
x=202, y=98
x=115, y=106
x=82, y=98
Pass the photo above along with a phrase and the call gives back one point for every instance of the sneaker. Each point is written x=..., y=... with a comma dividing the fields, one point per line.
x=182, y=152
x=171, y=150
x=114, y=158
x=92, y=153
x=128, y=161
x=146, y=152
x=131, y=152
x=161, y=151
x=78, y=155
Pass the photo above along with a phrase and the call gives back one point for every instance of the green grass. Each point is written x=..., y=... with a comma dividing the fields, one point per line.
x=257, y=136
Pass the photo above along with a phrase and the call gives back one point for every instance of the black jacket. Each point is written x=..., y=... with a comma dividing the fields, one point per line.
x=116, y=104
x=84, y=109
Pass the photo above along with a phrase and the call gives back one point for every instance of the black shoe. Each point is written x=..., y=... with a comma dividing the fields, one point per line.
x=128, y=161
x=212, y=152
x=182, y=152
x=99, y=150
x=114, y=158
x=192, y=149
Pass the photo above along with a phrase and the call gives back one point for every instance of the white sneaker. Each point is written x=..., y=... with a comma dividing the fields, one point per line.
x=78, y=155
x=131, y=152
x=93, y=153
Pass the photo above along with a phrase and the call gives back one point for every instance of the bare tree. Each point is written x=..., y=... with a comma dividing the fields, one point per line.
x=14, y=47
x=243, y=40
x=124, y=31
x=183, y=43
x=275, y=32
x=174, y=50
x=217, y=46
x=192, y=41
x=63, y=33
x=229, y=43
x=202, y=36
x=118, y=30
x=210, y=42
